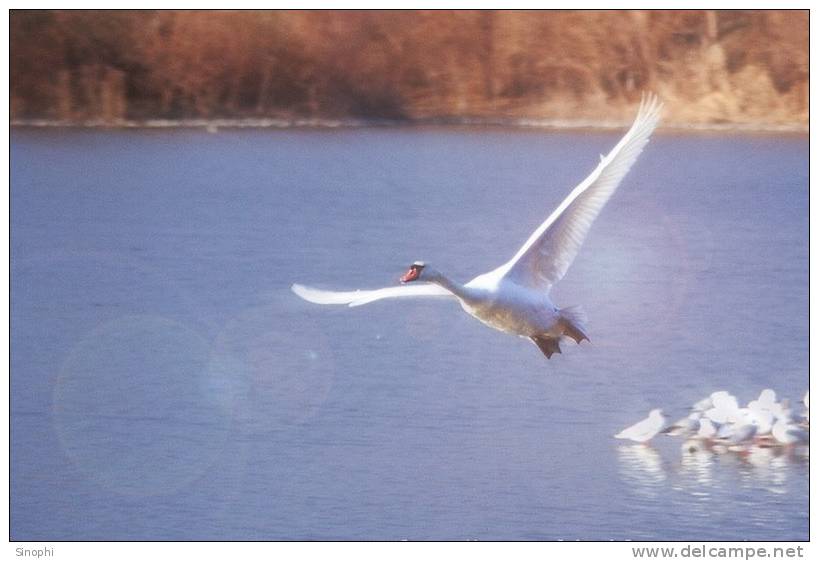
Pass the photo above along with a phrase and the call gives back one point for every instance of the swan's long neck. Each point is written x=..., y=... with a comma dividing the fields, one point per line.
x=456, y=288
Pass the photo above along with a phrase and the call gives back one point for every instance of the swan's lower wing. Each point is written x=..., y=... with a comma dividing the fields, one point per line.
x=359, y=297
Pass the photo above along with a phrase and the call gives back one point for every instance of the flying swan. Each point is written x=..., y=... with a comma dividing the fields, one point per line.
x=515, y=297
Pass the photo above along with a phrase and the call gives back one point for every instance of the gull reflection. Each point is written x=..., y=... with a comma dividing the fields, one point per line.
x=697, y=463
x=642, y=467
x=755, y=466
x=769, y=469
x=772, y=466
x=760, y=457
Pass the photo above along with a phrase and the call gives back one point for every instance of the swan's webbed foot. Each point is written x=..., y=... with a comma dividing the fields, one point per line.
x=548, y=345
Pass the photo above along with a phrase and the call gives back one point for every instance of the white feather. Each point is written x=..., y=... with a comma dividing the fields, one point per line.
x=359, y=297
x=547, y=254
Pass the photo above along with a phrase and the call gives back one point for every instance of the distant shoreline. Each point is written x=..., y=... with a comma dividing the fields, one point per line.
x=214, y=125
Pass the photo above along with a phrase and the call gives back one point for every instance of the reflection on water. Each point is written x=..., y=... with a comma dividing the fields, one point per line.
x=767, y=469
x=642, y=466
x=771, y=467
x=696, y=468
x=704, y=471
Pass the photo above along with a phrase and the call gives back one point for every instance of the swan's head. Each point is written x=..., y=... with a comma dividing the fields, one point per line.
x=415, y=272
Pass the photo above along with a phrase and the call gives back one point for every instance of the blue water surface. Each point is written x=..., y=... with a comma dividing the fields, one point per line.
x=167, y=385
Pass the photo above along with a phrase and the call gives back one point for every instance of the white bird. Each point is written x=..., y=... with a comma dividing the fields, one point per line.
x=762, y=419
x=687, y=426
x=723, y=399
x=646, y=429
x=782, y=411
x=724, y=431
x=741, y=433
x=786, y=432
x=707, y=429
x=514, y=298
x=725, y=409
x=765, y=402
x=702, y=405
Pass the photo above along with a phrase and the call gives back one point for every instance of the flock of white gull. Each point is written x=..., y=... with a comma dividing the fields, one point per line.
x=719, y=421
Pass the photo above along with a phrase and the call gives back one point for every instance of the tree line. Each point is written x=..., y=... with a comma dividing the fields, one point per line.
x=731, y=66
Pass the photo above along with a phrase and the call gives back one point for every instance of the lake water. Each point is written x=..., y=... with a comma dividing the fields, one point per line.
x=167, y=385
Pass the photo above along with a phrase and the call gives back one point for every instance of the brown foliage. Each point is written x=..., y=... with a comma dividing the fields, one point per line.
x=710, y=66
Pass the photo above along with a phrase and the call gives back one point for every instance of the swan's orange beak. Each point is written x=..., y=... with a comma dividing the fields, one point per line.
x=411, y=275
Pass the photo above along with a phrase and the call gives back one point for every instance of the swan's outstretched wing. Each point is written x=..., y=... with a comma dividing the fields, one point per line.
x=547, y=254
x=359, y=297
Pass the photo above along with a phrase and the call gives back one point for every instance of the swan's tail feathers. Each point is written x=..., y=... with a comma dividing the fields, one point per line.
x=573, y=321
x=548, y=345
